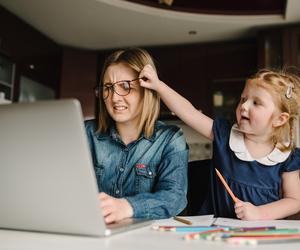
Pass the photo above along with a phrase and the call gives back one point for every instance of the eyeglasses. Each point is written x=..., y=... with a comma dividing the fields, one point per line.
x=121, y=88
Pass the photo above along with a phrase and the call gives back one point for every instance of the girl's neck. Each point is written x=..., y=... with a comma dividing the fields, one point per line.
x=258, y=147
x=128, y=133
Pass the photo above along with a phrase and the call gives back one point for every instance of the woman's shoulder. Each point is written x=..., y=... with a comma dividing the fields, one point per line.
x=168, y=132
x=171, y=136
x=162, y=127
x=90, y=125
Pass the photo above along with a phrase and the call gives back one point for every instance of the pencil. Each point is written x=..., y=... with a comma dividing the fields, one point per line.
x=226, y=186
x=185, y=221
x=253, y=242
x=185, y=229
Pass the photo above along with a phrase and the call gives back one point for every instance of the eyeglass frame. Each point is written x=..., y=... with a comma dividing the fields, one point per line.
x=111, y=87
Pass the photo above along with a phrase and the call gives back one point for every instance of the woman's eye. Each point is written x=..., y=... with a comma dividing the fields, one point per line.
x=125, y=85
x=107, y=86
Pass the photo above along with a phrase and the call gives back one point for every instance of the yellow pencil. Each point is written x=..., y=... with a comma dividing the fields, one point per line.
x=185, y=221
x=226, y=186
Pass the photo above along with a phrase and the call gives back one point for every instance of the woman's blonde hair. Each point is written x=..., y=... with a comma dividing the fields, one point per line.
x=284, y=86
x=136, y=59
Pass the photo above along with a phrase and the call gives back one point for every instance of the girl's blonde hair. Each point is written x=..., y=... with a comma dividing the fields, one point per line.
x=284, y=86
x=136, y=59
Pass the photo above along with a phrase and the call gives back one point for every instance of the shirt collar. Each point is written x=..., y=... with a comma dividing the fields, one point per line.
x=237, y=145
x=113, y=133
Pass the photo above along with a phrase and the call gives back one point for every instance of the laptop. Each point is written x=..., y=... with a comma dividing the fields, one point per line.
x=47, y=180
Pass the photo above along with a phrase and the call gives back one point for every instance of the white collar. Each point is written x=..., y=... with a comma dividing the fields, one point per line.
x=237, y=145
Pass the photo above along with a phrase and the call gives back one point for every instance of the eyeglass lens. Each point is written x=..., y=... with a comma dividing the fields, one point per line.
x=121, y=88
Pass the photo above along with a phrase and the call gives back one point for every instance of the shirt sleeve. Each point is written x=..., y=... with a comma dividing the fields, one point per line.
x=293, y=162
x=221, y=131
x=169, y=195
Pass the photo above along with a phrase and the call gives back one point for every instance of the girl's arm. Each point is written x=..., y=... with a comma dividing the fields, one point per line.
x=288, y=205
x=177, y=103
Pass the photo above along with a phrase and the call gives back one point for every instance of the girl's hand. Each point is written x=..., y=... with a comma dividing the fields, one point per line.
x=114, y=209
x=246, y=211
x=149, y=78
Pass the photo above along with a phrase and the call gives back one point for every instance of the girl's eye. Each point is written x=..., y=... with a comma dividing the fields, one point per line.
x=243, y=99
x=256, y=102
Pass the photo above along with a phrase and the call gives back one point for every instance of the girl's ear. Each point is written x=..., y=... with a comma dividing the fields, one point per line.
x=281, y=119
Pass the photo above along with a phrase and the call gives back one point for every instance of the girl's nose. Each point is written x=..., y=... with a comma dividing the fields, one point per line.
x=245, y=105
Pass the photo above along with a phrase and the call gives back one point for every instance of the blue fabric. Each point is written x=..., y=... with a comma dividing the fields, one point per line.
x=150, y=173
x=249, y=180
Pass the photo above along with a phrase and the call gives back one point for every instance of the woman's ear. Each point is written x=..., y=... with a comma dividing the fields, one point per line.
x=281, y=119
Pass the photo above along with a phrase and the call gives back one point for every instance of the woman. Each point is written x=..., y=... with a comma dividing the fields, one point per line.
x=140, y=163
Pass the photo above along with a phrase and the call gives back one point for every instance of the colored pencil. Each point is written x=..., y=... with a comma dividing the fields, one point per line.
x=185, y=229
x=251, y=229
x=185, y=221
x=254, y=242
x=157, y=227
x=226, y=186
x=275, y=232
x=194, y=236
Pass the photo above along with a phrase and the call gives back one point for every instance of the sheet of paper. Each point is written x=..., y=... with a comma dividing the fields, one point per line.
x=203, y=220
x=261, y=223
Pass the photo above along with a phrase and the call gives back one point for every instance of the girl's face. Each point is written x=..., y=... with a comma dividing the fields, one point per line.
x=124, y=110
x=256, y=112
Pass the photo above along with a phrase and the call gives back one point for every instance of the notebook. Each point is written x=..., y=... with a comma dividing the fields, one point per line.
x=47, y=180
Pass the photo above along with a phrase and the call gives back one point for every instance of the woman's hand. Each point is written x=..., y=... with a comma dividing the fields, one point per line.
x=247, y=211
x=149, y=78
x=114, y=209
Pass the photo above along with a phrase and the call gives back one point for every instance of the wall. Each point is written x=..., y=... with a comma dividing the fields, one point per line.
x=26, y=47
x=78, y=77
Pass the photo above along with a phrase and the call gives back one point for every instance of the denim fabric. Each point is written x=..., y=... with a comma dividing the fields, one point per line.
x=150, y=173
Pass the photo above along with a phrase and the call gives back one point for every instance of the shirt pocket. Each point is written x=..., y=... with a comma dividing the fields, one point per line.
x=145, y=177
x=99, y=171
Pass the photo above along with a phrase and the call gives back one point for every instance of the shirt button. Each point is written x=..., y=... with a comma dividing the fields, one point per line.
x=126, y=149
x=117, y=191
x=150, y=173
x=121, y=169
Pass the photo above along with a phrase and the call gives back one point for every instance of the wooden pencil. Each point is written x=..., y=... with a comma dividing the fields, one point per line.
x=185, y=221
x=226, y=186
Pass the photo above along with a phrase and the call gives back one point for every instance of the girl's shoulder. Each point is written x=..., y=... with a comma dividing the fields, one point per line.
x=221, y=129
x=293, y=161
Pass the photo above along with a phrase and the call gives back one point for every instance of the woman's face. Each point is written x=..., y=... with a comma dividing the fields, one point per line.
x=124, y=110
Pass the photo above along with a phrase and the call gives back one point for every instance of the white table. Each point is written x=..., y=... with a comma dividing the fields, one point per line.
x=139, y=239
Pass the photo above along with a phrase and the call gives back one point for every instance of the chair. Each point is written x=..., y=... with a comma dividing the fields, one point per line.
x=198, y=182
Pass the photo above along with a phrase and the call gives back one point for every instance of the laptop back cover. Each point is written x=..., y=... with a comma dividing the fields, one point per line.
x=47, y=181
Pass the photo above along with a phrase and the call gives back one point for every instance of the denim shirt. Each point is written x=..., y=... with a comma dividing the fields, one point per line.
x=150, y=173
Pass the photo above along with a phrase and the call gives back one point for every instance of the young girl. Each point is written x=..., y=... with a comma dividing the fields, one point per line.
x=257, y=156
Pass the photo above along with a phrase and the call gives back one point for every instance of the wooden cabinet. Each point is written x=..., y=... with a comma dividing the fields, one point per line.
x=279, y=47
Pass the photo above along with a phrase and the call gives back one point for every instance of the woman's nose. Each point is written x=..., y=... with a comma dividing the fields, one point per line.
x=114, y=95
